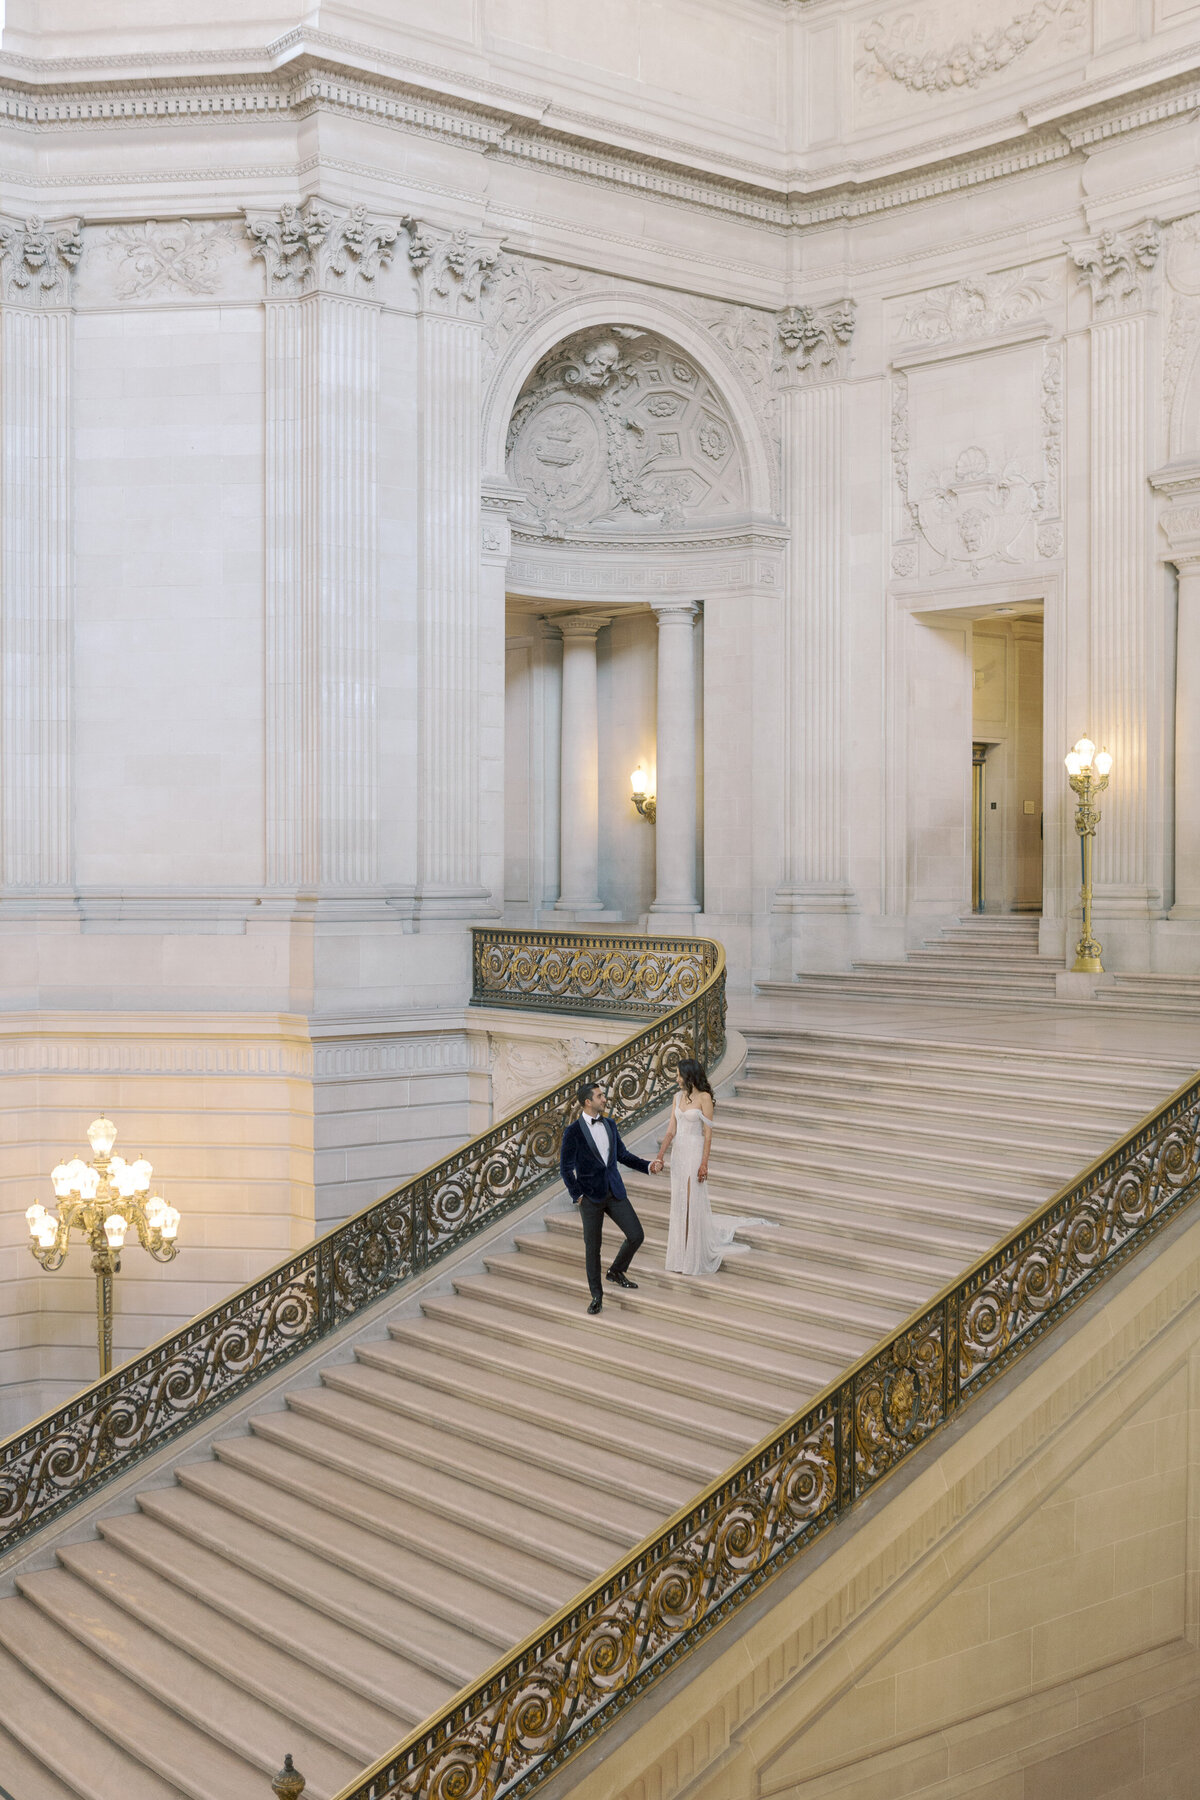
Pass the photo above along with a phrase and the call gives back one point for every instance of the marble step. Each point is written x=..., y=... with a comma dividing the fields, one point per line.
x=808, y=1103
x=770, y=1283
x=331, y=1572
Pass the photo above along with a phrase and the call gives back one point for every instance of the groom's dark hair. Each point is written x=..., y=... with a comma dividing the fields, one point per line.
x=583, y=1092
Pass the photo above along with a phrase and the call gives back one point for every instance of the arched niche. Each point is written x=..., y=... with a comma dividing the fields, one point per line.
x=616, y=430
x=573, y=321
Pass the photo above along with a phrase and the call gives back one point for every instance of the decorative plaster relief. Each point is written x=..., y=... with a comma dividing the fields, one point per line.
x=303, y=246
x=179, y=257
x=1183, y=278
x=585, y=443
x=1117, y=264
x=288, y=242
x=977, y=307
x=518, y=292
x=37, y=260
x=973, y=512
x=522, y=1068
x=1049, y=536
x=814, y=340
x=452, y=268
x=916, y=52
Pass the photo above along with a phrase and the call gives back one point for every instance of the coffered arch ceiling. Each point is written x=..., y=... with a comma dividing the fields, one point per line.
x=617, y=428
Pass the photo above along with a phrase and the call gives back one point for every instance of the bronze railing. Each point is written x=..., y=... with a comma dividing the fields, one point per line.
x=508, y=1732
x=70, y=1453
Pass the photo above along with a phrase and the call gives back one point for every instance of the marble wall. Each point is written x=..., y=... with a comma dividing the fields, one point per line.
x=783, y=346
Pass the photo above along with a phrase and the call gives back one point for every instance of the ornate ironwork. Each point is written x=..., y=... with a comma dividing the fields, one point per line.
x=71, y=1452
x=504, y=1735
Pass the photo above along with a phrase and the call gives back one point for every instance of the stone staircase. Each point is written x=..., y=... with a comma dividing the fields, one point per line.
x=338, y=1568
x=981, y=959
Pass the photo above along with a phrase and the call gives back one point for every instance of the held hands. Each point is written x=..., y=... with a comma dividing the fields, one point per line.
x=656, y=1167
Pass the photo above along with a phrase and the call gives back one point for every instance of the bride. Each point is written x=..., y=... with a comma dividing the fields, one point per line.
x=696, y=1242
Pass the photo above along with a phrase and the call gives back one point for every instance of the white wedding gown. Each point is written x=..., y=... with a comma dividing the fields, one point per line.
x=696, y=1242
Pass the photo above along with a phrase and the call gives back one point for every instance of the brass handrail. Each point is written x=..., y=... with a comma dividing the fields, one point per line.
x=506, y=1733
x=73, y=1450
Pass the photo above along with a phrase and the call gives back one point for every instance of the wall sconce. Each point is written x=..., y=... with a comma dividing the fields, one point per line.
x=643, y=799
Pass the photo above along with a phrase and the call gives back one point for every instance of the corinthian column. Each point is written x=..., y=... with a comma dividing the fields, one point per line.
x=579, y=831
x=37, y=568
x=675, y=900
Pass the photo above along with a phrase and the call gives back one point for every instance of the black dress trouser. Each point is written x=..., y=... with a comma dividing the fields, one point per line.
x=621, y=1212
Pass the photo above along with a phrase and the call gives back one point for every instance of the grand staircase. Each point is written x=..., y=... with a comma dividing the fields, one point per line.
x=980, y=959
x=336, y=1570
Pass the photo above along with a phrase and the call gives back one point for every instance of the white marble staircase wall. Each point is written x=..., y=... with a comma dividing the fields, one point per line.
x=223, y=1108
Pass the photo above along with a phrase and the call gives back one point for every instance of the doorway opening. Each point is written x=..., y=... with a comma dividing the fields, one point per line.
x=1006, y=759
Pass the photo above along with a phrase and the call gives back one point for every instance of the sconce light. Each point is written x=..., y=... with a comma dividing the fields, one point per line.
x=639, y=784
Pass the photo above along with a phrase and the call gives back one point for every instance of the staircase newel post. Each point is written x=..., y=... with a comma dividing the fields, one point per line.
x=289, y=1784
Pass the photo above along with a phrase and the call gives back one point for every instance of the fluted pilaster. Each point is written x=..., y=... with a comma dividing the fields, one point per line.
x=1121, y=623
x=450, y=599
x=37, y=561
x=322, y=592
x=813, y=810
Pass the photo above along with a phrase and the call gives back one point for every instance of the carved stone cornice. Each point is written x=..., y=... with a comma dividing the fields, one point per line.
x=1116, y=266
x=1180, y=520
x=814, y=341
x=311, y=245
x=452, y=268
x=37, y=261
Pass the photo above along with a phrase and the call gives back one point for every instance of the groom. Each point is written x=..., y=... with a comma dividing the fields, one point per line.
x=591, y=1152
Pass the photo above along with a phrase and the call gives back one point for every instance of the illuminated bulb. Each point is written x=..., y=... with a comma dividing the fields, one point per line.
x=34, y=1217
x=101, y=1135
x=115, y=1228
x=156, y=1206
x=122, y=1177
x=48, y=1232
x=76, y=1170
x=142, y=1171
x=170, y=1224
x=637, y=781
x=1085, y=750
x=1074, y=766
x=89, y=1181
x=1103, y=762
x=61, y=1177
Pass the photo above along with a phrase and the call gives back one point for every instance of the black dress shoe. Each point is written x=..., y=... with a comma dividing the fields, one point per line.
x=620, y=1280
x=597, y=1303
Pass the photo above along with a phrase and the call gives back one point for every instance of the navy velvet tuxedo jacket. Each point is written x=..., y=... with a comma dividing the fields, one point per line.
x=588, y=1178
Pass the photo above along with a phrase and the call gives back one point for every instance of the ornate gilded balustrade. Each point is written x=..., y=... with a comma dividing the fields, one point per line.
x=526, y=1718
x=70, y=1453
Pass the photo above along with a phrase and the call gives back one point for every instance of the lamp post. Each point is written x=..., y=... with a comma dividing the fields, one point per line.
x=1087, y=769
x=101, y=1200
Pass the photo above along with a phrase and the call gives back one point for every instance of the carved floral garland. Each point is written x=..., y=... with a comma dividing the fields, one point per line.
x=970, y=59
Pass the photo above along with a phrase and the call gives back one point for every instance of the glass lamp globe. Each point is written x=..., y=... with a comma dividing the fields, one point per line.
x=1074, y=765
x=61, y=1177
x=101, y=1135
x=637, y=781
x=141, y=1171
x=170, y=1224
x=1085, y=750
x=1103, y=762
x=156, y=1207
x=115, y=1228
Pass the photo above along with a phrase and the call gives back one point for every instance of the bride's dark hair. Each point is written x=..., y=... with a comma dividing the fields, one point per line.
x=694, y=1079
